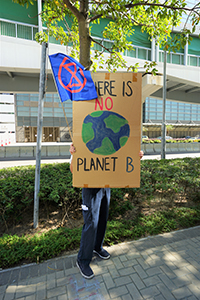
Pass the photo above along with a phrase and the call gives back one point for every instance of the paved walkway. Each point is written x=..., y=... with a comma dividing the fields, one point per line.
x=162, y=267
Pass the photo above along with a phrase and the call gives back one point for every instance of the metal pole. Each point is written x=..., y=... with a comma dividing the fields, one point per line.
x=39, y=3
x=39, y=133
x=163, y=150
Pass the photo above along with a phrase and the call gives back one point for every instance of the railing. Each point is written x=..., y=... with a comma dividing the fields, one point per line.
x=193, y=60
x=18, y=29
x=172, y=58
x=136, y=52
x=28, y=31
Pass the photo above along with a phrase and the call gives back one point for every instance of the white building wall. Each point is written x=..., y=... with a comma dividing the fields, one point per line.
x=7, y=120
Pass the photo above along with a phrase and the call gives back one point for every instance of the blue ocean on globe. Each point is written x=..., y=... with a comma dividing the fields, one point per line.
x=105, y=132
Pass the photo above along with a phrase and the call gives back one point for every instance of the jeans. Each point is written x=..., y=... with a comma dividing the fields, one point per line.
x=95, y=207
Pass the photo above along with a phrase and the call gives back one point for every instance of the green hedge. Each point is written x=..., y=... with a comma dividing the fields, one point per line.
x=158, y=141
x=171, y=180
x=166, y=178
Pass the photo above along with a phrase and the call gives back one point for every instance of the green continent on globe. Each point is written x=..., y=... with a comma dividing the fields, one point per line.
x=123, y=140
x=115, y=123
x=106, y=147
x=87, y=132
x=96, y=113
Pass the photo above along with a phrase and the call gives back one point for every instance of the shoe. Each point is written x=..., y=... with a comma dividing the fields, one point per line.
x=102, y=254
x=85, y=271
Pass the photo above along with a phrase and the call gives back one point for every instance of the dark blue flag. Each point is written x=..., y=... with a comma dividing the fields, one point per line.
x=73, y=82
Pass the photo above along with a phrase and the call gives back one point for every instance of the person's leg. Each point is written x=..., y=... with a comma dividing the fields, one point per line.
x=90, y=208
x=102, y=222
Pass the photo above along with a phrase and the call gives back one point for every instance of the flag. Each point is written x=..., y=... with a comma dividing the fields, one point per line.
x=72, y=81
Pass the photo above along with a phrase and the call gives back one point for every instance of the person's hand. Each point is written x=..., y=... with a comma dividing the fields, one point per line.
x=72, y=149
x=141, y=154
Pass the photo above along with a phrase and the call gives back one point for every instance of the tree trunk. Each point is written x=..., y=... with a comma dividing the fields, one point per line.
x=84, y=35
x=84, y=39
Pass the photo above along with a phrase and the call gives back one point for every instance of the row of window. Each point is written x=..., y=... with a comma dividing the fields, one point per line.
x=47, y=121
x=175, y=111
x=28, y=32
x=32, y=111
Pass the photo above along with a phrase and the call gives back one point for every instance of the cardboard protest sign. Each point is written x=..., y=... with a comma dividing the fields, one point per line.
x=107, y=133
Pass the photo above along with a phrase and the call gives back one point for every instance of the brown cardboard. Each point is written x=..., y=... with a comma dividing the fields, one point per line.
x=120, y=101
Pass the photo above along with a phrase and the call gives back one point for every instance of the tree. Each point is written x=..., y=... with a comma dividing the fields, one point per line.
x=156, y=17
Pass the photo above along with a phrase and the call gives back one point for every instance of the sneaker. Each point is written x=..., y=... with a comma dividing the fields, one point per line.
x=85, y=271
x=102, y=254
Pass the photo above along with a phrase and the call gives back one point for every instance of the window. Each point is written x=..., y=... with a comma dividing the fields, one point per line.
x=7, y=29
x=24, y=32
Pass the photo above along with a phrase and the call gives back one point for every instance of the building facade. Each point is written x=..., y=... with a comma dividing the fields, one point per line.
x=17, y=25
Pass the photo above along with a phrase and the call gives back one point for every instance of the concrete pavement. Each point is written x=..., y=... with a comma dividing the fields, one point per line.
x=162, y=267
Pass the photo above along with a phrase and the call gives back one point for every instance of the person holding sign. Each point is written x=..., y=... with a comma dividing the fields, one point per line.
x=95, y=207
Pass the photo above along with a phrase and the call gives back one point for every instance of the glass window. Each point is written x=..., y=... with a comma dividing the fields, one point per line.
x=56, y=114
x=35, y=30
x=47, y=114
x=7, y=29
x=108, y=45
x=194, y=117
x=22, y=97
x=22, y=114
x=131, y=53
x=174, y=105
x=48, y=109
x=187, y=117
x=34, y=98
x=142, y=53
x=48, y=98
x=58, y=110
x=23, y=108
x=53, y=40
x=174, y=116
x=161, y=56
x=181, y=117
x=33, y=109
x=149, y=54
x=152, y=115
x=97, y=46
x=24, y=32
x=34, y=114
x=193, y=61
x=20, y=103
x=176, y=59
x=159, y=116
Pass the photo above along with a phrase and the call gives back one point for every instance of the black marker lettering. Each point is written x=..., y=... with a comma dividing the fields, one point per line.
x=79, y=164
x=85, y=165
x=92, y=164
x=114, y=162
x=106, y=163
x=98, y=163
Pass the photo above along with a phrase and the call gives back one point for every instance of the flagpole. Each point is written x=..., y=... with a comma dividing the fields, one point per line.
x=39, y=133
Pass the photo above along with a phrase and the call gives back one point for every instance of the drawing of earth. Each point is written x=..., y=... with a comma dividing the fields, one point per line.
x=105, y=132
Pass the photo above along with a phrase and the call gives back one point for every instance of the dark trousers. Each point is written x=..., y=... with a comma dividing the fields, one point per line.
x=95, y=207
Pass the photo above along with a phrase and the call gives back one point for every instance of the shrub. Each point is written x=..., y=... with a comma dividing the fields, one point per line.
x=173, y=180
